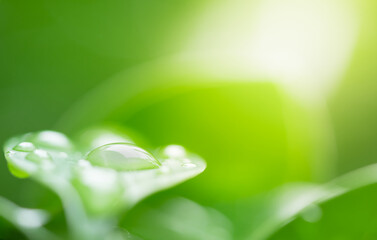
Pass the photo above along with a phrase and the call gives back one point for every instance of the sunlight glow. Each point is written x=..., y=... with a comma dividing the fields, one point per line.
x=303, y=44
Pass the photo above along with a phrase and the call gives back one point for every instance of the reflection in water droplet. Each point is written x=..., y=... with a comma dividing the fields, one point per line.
x=122, y=156
x=25, y=147
x=53, y=140
x=38, y=155
x=175, y=151
x=188, y=165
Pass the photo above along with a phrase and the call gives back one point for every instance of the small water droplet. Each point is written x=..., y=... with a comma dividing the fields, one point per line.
x=312, y=213
x=25, y=147
x=122, y=156
x=175, y=151
x=189, y=165
x=52, y=140
x=38, y=155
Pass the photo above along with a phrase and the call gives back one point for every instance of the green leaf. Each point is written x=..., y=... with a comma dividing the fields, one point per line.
x=341, y=209
x=177, y=218
x=103, y=182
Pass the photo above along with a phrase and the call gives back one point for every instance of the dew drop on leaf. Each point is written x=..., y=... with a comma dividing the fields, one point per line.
x=122, y=156
x=313, y=213
x=175, y=151
x=24, y=147
x=38, y=155
x=52, y=140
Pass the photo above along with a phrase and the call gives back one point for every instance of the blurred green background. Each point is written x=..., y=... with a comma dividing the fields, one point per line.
x=268, y=92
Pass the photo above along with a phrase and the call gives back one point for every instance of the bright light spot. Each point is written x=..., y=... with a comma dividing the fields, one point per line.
x=302, y=44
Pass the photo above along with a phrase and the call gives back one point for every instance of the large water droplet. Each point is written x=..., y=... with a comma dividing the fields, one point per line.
x=24, y=147
x=52, y=140
x=122, y=156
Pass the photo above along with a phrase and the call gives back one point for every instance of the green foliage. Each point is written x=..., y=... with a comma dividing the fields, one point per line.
x=173, y=218
x=187, y=72
x=342, y=209
x=240, y=122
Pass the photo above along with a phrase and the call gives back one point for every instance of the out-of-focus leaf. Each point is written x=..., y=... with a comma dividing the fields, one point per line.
x=341, y=209
x=353, y=106
x=177, y=218
x=126, y=29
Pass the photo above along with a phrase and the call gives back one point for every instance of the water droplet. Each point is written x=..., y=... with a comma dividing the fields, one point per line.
x=122, y=156
x=175, y=151
x=189, y=165
x=38, y=155
x=25, y=147
x=52, y=140
x=312, y=213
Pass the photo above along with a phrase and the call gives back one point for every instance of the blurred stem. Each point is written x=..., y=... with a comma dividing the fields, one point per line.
x=82, y=227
